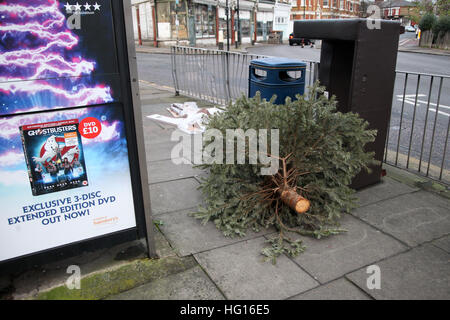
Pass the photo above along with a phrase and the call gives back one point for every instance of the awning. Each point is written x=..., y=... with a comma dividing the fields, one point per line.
x=207, y=2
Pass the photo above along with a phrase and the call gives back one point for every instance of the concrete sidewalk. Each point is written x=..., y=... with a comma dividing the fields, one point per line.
x=417, y=49
x=398, y=226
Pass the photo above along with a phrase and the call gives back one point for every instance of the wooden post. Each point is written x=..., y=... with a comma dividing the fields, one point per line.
x=138, y=16
x=217, y=25
x=233, y=38
x=155, y=30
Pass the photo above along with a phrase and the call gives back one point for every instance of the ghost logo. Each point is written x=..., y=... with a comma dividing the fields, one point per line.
x=51, y=151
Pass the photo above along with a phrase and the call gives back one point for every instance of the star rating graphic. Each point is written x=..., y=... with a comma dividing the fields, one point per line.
x=77, y=7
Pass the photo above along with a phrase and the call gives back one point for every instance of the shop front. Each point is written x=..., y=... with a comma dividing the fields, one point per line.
x=205, y=14
x=172, y=22
x=206, y=22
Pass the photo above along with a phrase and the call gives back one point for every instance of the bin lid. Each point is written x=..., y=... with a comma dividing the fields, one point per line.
x=278, y=63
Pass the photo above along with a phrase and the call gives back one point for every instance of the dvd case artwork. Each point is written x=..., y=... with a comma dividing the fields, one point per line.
x=54, y=156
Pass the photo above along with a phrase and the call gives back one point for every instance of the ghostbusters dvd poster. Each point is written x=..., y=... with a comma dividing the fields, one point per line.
x=54, y=156
x=64, y=177
x=67, y=174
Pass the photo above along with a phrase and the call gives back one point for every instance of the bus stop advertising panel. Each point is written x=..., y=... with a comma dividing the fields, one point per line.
x=65, y=110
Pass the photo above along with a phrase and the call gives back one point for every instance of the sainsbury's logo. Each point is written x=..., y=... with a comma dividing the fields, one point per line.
x=105, y=221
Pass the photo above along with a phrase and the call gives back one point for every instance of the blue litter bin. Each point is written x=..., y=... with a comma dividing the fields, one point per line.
x=281, y=76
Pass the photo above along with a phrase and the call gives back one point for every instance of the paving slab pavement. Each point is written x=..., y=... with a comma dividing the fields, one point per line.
x=443, y=243
x=421, y=273
x=190, y=236
x=388, y=188
x=192, y=284
x=159, y=151
x=340, y=289
x=240, y=272
x=412, y=218
x=156, y=133
x=174, y=196
x=162, y=171
x=331, y=258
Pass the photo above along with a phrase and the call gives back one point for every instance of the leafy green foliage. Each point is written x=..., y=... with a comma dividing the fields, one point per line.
x=427, y=22
x=327, y=147
x=443, y=8
x=442, y=26
x=424, y=6
x=429, y=7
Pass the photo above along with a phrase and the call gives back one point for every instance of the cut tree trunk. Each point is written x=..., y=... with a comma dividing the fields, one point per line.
x=295, y=201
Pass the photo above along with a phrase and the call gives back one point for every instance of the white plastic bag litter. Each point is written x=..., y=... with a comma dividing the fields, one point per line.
x=188, y=117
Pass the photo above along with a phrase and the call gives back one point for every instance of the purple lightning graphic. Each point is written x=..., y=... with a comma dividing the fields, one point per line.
x=40, y=67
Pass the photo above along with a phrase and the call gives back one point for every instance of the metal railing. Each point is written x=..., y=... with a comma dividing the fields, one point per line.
x=215, y=75
x=420, y=119
x=419, y=126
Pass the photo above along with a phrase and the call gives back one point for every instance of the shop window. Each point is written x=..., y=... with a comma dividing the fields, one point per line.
x=172, y=22
x=205, y=21
x=223, y=27
x=179, y=29
x=163, y=12
x=259, y=28
x=245, y=28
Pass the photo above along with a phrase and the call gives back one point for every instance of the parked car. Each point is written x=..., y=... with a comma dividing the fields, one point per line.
x=300, y=41
x=410, y=29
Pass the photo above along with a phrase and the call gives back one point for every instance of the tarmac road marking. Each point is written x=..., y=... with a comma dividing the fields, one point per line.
x=411, y=99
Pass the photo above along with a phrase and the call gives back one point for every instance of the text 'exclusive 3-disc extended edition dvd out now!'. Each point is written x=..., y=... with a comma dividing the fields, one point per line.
x=54, y=156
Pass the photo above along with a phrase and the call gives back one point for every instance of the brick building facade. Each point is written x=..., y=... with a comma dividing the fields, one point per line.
x=324, y=9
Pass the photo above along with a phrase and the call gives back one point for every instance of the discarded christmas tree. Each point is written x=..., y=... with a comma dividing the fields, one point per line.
x=321, y=151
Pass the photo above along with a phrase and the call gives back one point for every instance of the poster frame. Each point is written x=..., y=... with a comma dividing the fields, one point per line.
x=129, y=85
